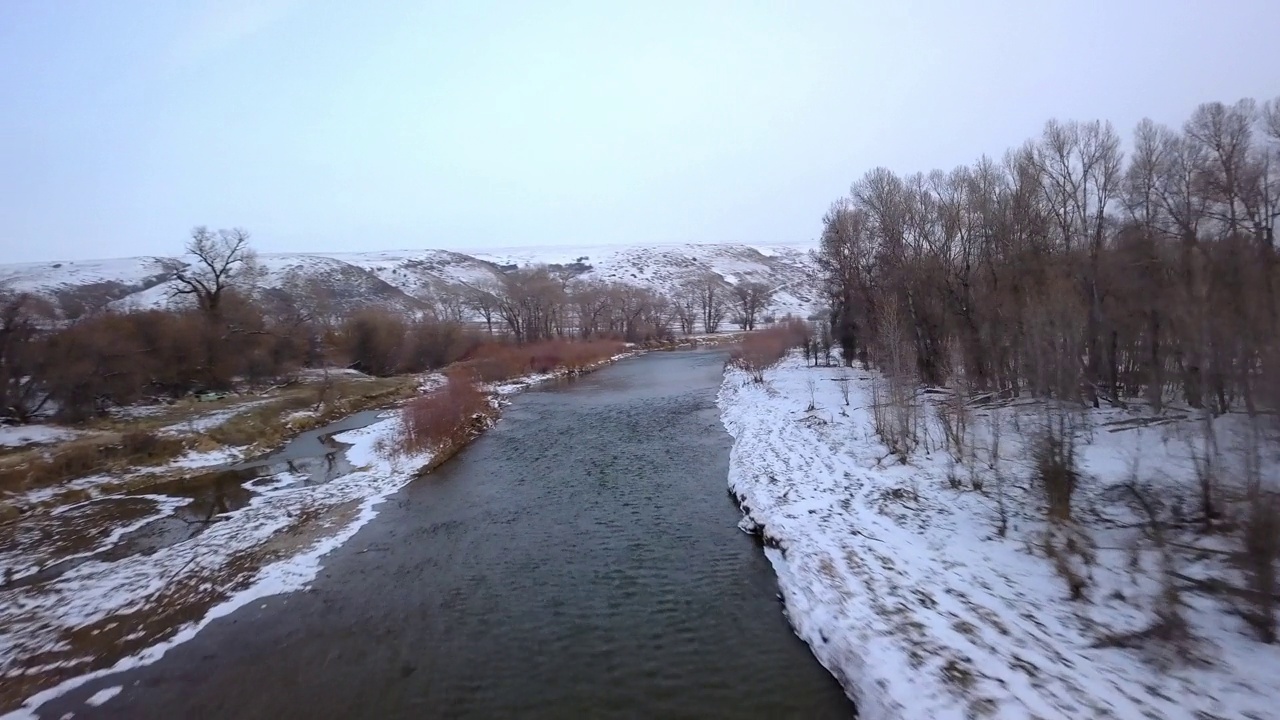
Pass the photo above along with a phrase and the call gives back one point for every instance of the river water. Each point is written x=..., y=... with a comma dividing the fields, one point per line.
x=580, y=560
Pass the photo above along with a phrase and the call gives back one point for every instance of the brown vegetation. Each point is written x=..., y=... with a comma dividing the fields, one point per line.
x=87, y=457
x=1074, y=274
x=758, y=351
x=445, y=418
x=497, y=361
x=1065, y=272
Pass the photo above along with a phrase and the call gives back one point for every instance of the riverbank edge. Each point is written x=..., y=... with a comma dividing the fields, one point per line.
x=295, y=572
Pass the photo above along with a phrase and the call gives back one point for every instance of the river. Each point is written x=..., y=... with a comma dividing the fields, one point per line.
x=579, y=560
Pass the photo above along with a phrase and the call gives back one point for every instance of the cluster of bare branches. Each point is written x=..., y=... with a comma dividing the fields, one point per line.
x=1067, y=270
x=537, y=303
x=541, y=303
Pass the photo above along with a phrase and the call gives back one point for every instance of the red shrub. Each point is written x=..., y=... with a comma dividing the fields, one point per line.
x=494, y=362
x=763, y=349
x=443, y=417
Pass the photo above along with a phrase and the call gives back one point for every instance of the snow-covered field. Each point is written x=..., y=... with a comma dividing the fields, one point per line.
x=900, y=581
x=19, y=435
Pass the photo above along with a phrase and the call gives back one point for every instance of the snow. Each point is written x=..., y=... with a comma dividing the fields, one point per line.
x=401, y=279
x=103, y=695
x=19, y=435
x=18, y=561
x=205, y=422
x=664, y=268
x=39, y=276
x=41, y=495
x=207, y=458
x=32, y=622
x=905, y=591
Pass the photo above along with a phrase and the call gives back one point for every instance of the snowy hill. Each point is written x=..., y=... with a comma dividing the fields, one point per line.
x=407, y=280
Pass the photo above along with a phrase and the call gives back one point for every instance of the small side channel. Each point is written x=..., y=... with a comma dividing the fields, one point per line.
x=311, y=458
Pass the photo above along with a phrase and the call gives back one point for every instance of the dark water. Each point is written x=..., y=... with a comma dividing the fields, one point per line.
x=580, y=560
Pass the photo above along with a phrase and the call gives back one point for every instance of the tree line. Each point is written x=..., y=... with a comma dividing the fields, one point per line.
x=1072, y=268
x=221, y=329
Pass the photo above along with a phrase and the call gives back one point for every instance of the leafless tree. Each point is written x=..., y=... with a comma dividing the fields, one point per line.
x=483, y=301
x=711, y=293
x=449, y=306
x=21, y=356
x=751, y=299
x=684, y=307
x=219, y=261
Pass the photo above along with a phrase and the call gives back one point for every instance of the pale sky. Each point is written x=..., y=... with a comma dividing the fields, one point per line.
x=329, y=125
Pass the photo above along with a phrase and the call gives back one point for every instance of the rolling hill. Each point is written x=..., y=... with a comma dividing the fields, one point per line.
x=407, y=280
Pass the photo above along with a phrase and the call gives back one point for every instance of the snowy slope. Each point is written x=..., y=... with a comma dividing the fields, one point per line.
x=405, y=280
x=664, y=267
x=75, y=285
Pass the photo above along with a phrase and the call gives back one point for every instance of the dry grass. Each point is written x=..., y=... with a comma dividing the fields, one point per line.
x=87, y=457
x=264, y=427
x=133, y=444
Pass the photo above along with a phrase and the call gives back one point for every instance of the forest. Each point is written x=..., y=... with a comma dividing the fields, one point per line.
x=1072, y=268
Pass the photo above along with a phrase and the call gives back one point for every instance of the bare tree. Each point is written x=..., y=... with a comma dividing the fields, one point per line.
x=220, y=261
x=531, y=302
x=751, y=299
x=684, y=307
x=449, y=306
x=484, y=302
x=21, y=357
x=711, y=291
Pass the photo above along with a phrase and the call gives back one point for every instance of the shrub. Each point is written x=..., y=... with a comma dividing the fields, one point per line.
x=1054, y=456
x=761, y=350
x=429, y=345
x=495, y=362
x=445, y=417
x=373, y=341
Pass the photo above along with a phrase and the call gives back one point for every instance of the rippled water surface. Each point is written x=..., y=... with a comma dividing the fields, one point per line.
x=580, y=560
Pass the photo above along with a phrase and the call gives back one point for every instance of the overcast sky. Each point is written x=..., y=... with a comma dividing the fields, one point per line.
x=338, y=125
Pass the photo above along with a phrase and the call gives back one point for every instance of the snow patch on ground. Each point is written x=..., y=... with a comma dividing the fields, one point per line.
x=19, y=559
x=19, y=435
x=103, y=695
x=904, y=590
x=205, y=422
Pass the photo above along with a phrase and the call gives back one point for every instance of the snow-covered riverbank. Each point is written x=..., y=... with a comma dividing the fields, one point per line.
x=141, y=605
x=898, y=577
